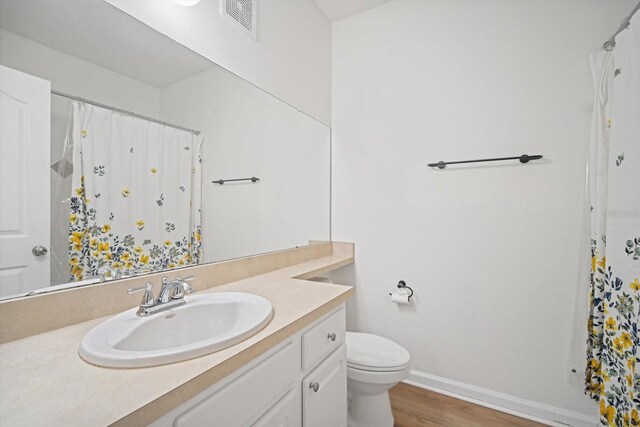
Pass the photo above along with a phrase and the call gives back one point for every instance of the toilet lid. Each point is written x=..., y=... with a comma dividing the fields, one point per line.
x=373, y=352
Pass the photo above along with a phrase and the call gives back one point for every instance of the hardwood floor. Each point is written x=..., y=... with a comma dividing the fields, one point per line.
x=417, y=407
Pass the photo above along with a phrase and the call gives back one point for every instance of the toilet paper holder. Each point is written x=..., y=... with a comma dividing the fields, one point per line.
x=403, y=285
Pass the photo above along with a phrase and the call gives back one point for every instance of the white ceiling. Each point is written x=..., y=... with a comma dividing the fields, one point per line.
x=335, y=10
x=99, y=33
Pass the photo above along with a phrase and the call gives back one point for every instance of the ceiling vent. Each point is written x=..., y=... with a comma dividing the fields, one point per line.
x=243, y=13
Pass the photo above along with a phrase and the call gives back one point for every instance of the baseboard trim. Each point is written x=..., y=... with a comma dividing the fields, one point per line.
x=534, y=411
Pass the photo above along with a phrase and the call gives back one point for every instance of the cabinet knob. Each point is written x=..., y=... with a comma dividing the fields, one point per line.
x=315, y=386
x=332, y=336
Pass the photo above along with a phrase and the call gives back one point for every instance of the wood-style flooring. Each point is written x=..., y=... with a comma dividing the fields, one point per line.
x=416, y=407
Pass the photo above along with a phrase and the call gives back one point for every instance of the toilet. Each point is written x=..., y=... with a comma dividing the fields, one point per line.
x=374, y=365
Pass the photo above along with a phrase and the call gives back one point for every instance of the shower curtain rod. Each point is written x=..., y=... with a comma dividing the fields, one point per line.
x=119, y=110
x=611, y=43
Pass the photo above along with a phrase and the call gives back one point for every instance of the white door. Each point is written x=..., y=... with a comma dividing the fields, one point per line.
x=25, y=104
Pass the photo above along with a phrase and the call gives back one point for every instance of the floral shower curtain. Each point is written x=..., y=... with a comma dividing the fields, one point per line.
x=613, y=366
x=136, y=198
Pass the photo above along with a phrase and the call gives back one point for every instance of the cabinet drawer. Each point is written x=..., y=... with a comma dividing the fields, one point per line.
x=320, y=341
x=245, y=398
x=324, y=392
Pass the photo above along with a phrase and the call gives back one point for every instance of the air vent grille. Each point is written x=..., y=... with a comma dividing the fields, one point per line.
x=243, y=12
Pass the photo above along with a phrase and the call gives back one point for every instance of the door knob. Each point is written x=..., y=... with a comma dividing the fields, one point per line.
x=39, y=250
x=314, y=386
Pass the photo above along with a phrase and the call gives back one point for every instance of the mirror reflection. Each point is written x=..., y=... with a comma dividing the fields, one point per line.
x=124, y=153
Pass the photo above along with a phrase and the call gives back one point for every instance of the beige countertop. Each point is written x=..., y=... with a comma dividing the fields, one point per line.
x=43, y=381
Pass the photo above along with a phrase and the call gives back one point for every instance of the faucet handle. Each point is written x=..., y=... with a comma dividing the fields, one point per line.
x=147, y=298
x=187, y=288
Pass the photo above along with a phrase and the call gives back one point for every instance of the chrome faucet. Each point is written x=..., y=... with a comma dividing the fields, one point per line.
x=171, y=295
x=175, y=289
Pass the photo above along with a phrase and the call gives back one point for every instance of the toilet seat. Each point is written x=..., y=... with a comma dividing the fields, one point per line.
x=373, y=353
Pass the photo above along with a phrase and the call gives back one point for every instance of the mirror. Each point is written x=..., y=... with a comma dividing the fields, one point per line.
x=115, y=140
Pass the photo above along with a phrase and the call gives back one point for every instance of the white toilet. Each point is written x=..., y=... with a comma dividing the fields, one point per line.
x=374, y=365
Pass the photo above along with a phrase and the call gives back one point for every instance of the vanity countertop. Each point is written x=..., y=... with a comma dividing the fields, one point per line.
x=45, y=382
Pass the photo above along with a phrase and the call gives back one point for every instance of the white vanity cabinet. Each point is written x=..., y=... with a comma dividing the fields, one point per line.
x=300, y=382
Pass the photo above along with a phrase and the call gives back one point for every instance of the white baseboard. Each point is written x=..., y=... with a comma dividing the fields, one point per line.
x=528, y=409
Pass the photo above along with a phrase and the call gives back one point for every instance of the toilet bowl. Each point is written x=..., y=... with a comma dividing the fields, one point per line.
x=374, y=365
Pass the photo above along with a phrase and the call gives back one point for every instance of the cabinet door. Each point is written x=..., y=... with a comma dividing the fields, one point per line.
x=324, y=392
x=247, y=397
x=285, y=413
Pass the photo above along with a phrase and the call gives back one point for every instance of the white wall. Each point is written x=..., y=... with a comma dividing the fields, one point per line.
x=290, y=59
x=249, y=133
x=492, y=250
x=74, y=76
x=77, y=77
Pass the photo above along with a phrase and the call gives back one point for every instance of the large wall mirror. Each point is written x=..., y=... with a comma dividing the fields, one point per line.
x=114, y=139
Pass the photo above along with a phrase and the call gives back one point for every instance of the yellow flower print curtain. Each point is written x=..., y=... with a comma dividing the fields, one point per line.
x=136, y=194
x=613, y=364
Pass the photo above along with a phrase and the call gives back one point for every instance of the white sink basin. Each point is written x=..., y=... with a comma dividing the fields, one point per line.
x=205, y=324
